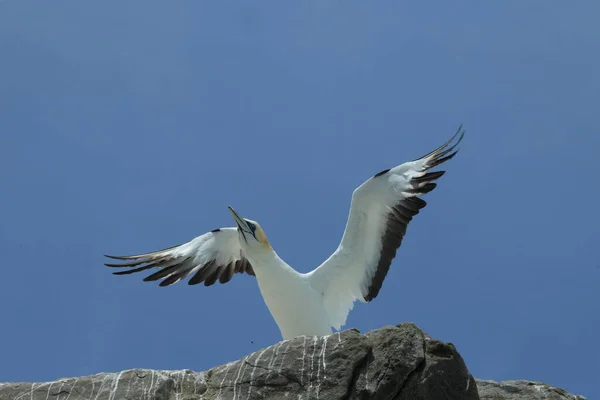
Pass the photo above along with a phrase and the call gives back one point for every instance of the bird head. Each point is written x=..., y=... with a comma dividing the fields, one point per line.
x=251, y=234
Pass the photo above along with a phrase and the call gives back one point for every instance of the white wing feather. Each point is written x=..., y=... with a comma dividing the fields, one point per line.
x=379, y=212
x=216, y=255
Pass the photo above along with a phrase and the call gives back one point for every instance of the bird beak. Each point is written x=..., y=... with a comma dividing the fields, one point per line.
x=238, y=220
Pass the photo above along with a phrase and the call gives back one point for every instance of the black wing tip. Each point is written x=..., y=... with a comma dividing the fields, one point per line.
x=385, y=171
x=436, y=175
x=370, y=296
x=145, y=255
x=168, y=272
x=213, y=276
x=126, y=264
x=128, y=258
x=445, y=153
x=378, y=280
x=133, y=270
x=113, y=265
x=429, y=177
x=423, y=189
x=438, y=161
x=193, y=281
x=460, y=132
x=127, y=272
x=173, y=279
x=443, y=149
x=117, y=257
x=414, y=203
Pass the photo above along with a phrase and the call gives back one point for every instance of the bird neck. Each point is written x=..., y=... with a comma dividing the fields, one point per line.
x=266, y=261
x=259, y=254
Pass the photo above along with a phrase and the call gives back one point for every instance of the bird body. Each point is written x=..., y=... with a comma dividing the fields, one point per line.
x=312, y=303
x=294, y=303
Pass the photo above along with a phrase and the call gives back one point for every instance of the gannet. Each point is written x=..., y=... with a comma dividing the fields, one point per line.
x=310, y=303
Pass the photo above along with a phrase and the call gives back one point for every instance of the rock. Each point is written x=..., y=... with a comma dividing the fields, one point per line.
x=513, y=390
x=390, y=363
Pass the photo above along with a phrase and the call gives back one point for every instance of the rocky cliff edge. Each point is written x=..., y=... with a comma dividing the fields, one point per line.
x=390, y=363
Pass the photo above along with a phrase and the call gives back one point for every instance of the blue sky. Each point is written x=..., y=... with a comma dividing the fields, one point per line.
x=130, y=126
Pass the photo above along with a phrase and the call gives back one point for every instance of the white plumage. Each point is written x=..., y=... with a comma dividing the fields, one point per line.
x=309, y=304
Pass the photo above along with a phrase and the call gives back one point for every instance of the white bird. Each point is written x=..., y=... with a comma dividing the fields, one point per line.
x=312, y=303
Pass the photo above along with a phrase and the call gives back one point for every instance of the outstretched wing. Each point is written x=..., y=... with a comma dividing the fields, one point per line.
x=216, y=255
x=380, y=212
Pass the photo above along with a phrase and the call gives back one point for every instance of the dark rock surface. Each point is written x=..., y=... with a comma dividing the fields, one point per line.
x=514, y=390
x=396, y=363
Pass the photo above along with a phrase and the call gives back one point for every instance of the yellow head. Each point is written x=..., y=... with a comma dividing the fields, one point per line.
x=250, y=231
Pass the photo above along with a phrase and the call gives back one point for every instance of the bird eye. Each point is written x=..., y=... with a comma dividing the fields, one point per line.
x=251, y=226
